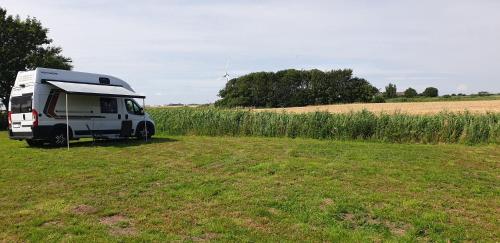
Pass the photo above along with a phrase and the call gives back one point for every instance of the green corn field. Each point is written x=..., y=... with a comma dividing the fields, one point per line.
x=464, y=127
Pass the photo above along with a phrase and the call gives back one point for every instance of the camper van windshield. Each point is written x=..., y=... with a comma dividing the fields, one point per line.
x=133, y=107
x=21, y=104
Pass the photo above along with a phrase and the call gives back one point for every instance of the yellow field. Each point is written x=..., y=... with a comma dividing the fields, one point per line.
x=481, y=106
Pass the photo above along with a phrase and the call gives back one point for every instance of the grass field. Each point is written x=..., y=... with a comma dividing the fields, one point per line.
x=195, y=188
x=481, y=106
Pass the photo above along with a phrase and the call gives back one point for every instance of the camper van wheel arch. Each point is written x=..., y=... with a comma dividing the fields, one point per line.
x=59, y=135
x=35, y=143
x=139, y=132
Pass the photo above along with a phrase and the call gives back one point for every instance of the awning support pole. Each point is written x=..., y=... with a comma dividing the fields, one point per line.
x=67, y=122
x=145, y=125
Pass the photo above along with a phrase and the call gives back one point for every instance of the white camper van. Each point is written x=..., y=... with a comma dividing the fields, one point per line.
x=48, y=105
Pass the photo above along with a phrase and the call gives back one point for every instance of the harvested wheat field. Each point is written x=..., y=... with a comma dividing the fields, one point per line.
x=482, y=106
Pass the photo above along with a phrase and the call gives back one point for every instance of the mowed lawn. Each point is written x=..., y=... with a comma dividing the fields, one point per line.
x=249, y=189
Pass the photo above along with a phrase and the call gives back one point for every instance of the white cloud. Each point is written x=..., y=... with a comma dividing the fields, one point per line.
x=181, y=47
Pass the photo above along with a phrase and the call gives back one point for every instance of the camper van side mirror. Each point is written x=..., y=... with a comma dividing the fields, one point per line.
x=141, y=111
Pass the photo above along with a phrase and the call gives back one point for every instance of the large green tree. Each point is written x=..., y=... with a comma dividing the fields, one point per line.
x=24, y=45
x=430, y=92
x=410, y=93
x=295, y=88
x=391, y=91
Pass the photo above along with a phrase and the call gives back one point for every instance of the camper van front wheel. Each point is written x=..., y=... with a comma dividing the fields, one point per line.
x=141, y=131
x=59, y=137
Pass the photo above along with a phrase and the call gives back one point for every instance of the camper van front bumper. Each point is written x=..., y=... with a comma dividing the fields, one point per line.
x=39, y=132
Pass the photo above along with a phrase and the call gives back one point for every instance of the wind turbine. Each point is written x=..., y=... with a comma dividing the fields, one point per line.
x=226, y=75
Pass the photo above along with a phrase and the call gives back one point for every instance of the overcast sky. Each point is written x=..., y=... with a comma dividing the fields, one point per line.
x=176, y=51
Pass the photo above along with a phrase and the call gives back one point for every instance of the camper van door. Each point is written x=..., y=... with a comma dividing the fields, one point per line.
x=110, y=123
x=22, y=112
x=134, y=112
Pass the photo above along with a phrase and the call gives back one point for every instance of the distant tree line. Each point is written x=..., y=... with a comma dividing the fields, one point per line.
x=292, y=87
x=391, y=92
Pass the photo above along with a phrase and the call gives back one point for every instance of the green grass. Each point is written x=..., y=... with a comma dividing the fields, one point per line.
x=191, y=188
x=442, y=98
x=463, y=128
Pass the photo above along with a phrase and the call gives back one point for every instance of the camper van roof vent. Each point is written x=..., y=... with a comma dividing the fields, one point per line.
x=104, y=81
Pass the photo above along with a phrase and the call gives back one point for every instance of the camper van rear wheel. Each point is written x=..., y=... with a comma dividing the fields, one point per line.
x=59, y=137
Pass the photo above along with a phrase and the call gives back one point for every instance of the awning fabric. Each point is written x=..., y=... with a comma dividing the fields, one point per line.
x=95, y=89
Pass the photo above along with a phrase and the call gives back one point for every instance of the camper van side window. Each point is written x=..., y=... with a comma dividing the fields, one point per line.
x=109, y=105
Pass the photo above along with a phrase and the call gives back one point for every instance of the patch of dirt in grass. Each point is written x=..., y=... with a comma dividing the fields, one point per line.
x=273, y=211
x=398, y=231
x=325, y=203
x=119, y=225
x=348, y=217
x=260, y=223
x=394, y=228
x=253, y=224
x=84, y=209
x=10, y=238
x=123, y=231
x=113, y=219
x=235, y=214
x=52, y=223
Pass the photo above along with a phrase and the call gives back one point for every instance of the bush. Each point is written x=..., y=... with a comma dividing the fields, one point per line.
x=430, y=92
x=410, y=93
x=484, y=93
x=439, y=128
x=378, y=99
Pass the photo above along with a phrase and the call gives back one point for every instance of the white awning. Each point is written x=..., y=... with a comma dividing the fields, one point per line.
x=95, y=89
